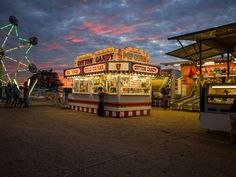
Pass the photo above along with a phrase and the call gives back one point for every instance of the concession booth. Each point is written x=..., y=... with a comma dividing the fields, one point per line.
x=213, y=55
x=125, y=76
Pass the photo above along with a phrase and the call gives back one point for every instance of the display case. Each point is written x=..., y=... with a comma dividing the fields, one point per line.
x=217, y=101
x=219, y=97
x=112, y=83
x=97, y=81
x=135, y=85
x=75, y=88
x=128, y=85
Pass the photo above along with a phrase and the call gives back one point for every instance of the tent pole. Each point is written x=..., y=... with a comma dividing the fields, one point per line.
x=202, y=88
x=228, y=66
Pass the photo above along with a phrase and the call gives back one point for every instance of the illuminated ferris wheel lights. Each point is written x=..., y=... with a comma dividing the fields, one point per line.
x=10, y=58
x=25, y=40
x=22, y=45
x=27, y=51
x=9, y=50
x=5, y=27
x=4, y=67
x=8, y=34
x=17, y=34
x=27, y=59
x=22, y=64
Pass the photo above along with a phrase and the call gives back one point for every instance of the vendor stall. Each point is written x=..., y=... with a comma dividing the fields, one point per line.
x=217, y=100
x=124, y=74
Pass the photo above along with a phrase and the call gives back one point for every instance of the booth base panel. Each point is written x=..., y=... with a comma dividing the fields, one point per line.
x=213, y=121
x=113, y=113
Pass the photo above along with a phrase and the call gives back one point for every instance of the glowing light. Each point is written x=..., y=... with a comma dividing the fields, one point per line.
x=8, y=34
x=9, y=50
x=17, y=35
x=209, y=63
x=28, y=82
x=5, y=27
x=10, y=58
x=14, y=80
x=224, y=86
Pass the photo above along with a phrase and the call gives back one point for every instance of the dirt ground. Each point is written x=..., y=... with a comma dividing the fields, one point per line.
x=47, y=141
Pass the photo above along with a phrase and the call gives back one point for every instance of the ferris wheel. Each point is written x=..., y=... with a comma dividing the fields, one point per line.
x=14, y=51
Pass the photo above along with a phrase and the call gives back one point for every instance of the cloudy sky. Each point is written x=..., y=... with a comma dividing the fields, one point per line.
x=67, y=28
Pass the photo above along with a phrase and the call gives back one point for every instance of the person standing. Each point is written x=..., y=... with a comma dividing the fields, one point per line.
x=26, y=95
x=232, y=117
x=15, y=95
x=21, y=96
x=165, y=93
x=101, y=102
x=8, y=92
x=60, y=95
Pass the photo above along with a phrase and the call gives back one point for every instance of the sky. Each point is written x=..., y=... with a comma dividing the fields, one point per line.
x=68, y=28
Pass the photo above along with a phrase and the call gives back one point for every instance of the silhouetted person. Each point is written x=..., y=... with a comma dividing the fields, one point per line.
x=8, y=92
x=101, y=102
x=21, y=95
x=232, y=116
x=26, y=95
x=165, y=93
x=15, y=95
x=58, y=96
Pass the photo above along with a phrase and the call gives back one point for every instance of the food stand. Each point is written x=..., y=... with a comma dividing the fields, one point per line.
x=218, y=99
x=124, y=74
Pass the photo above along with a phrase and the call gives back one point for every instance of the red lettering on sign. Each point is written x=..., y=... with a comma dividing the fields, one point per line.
x=104, y=58
x=72, y=72
x=85, y=62
x=145, y=69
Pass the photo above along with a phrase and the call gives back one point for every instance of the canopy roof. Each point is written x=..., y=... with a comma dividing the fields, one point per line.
x=215, y=41
x=191, y=52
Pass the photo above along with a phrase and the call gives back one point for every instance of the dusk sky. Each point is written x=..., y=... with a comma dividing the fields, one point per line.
x=67, y=28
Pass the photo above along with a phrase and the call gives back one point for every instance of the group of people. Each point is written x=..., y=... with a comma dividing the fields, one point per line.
x=16, y=96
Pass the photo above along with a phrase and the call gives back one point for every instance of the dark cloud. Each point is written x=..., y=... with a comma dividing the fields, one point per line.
x=67, y=28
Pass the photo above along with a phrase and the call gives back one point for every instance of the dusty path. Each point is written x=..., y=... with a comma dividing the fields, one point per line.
x=46, y=141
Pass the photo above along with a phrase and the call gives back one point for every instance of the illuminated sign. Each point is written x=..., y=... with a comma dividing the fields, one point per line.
x=118, y=66
x=104, y=57
x=145, y=69
x=85, y=62
x=86, y=59
x=72, y=72
x=131, y=56
x=94, y=68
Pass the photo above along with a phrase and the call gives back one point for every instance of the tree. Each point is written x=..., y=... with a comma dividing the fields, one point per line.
x=46, y=79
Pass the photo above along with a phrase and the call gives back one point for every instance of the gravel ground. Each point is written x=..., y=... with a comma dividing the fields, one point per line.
x=47, y=141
